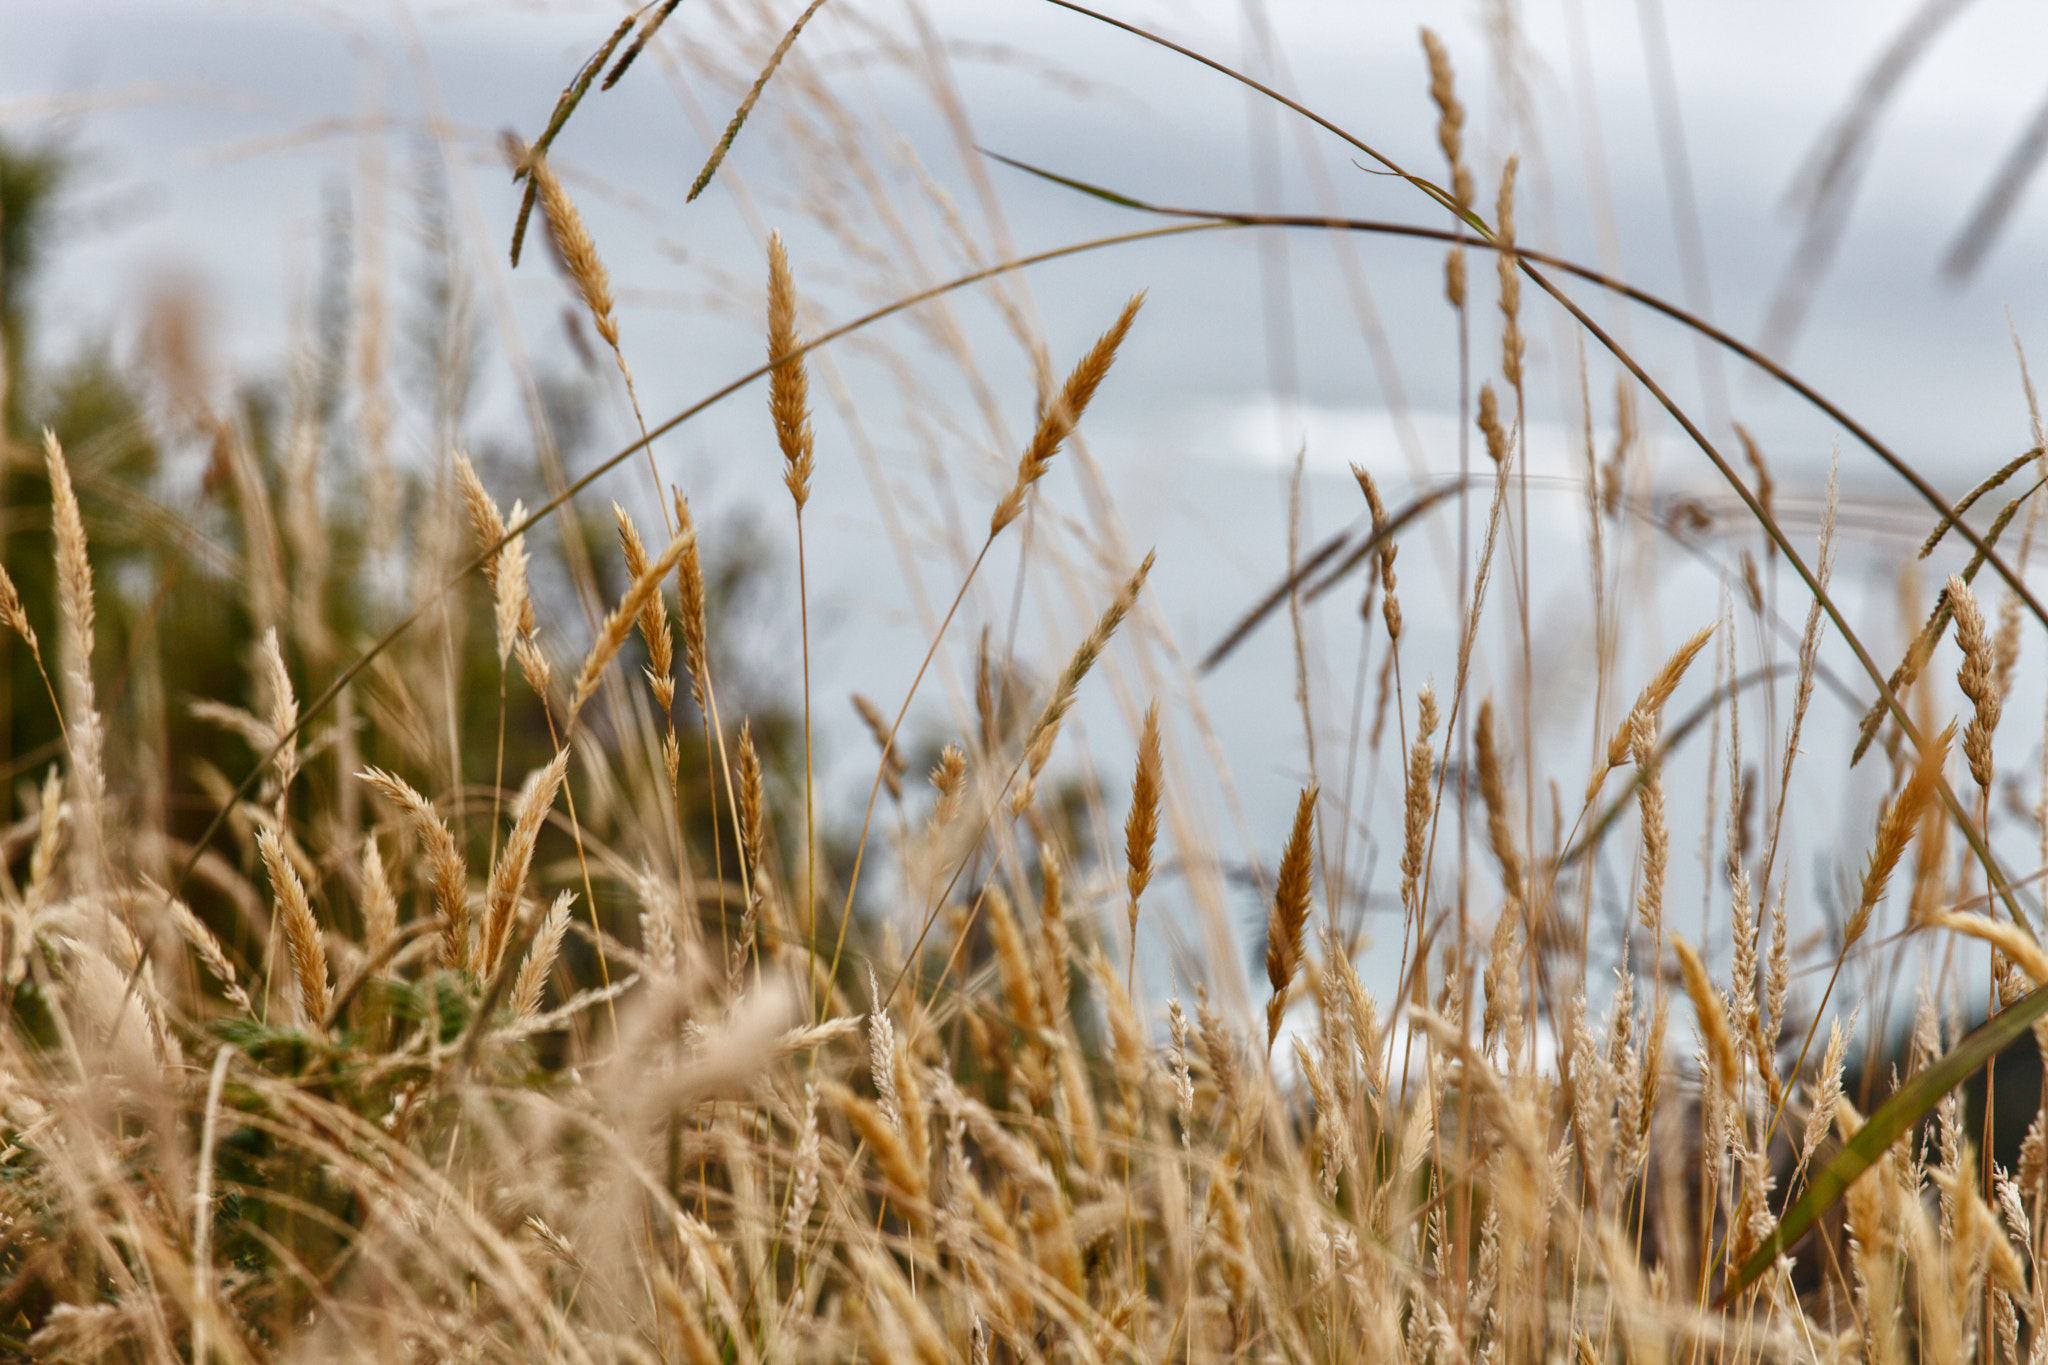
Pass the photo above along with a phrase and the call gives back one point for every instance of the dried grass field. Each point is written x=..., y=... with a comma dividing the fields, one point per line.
x=432, y=930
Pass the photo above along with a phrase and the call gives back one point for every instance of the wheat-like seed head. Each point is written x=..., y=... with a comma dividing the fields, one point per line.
x=1289, y=916
x=878, y=726
x=611, y=635
x=690, y=604
x=1062, y=414
x=508, y=878
x=654, y=628
x=1450, y=123
x=788, y=385
x=302, y=931
x=540, y=958
x=446, y=871
x=1895, y=830
x=1713, y=1018
x=1510, y=278
x=578, y=252
x=1415, y=813
x=1978, y=678
x=1493, y=792
x=1141, y=828
x=13, y=615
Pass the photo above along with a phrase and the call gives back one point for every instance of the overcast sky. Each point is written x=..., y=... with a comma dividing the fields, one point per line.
x=213, y=136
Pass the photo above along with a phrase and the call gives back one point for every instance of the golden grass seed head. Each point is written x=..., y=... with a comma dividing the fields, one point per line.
x=446, y=871
x=1713, y=1018
x=654, y=627
x=788, y=384
x=1141, y=827
x=611, y=635
x=1490, y=425
x=1288, y=920
x=1450, y=125
x=574, y=245
x=1510, y=279
x=1895, y=830
x=13, y=615
x=1978, y=678
x=1062, y=414
x=690, y=601
x=302, y=931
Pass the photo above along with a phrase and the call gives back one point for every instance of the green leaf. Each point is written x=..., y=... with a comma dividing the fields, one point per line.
x=1895, y=1118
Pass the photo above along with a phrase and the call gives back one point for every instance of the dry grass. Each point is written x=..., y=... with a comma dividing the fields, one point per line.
x=365, y=1104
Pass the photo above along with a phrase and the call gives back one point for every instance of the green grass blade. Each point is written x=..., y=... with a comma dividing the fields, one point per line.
x=1893, y=1120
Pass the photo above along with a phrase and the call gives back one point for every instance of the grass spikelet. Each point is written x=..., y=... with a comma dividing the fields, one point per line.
x=1650, y=702
x=208, y=947
x=739, y=118
x=1493, y=792
x=1656, y=830
x=1141, y=826
x=302, y=931
x=14, y=616
x=508, y=878
x=486, y=523
x=283, y=711
x=1895, y=830
x=1390, y=605
x=1510, y=278
x=1062, y=414
x=1491, y=427
x=788, y=387
x=1289, y=917
x=1450, y=124
x=884, y=1138
x=1013, y=960
x=653, y=619
x=1421, y=768
x=611, y=636
x=540, y=958
x=446, y=871
x=1713, y=1018
x=573, y=242
x=690, y=607
x=1978, y=677
x=1038, y=744
x=76, y=612
x=878, y=726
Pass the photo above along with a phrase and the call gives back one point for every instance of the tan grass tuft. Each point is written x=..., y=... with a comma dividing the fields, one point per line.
x=788, y=385
x=1289, y=917
x=302, y=931
x=1062, y=414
